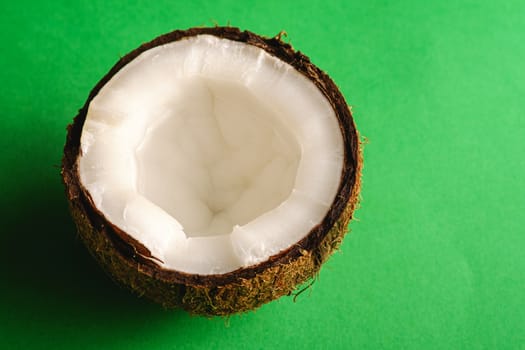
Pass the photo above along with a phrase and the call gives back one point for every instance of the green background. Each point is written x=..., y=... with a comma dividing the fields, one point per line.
x=436, y=258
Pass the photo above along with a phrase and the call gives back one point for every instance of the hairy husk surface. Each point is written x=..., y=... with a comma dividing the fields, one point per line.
x=129, y=263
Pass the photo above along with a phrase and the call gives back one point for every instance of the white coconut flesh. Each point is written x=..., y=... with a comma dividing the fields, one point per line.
x=213, y=154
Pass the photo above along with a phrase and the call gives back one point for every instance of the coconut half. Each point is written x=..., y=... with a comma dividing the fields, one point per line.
x=213, y=169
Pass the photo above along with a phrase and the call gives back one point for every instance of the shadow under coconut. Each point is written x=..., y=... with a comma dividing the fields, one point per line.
x=50, y=280
x=41, y=253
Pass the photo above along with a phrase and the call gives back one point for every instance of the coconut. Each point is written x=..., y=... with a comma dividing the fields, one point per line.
x=213, y=169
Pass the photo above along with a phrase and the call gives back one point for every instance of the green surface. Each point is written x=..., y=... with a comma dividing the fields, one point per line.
x=436, y=260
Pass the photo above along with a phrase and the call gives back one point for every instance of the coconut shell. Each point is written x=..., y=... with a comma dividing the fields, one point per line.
x=130, y=263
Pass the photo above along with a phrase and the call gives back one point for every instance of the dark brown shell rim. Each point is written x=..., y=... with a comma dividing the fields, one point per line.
x=133, y=251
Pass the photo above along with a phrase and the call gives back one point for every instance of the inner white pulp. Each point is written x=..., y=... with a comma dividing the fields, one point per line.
x=212, y=153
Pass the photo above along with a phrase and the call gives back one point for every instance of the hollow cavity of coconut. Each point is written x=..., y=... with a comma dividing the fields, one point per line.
x=213, y=169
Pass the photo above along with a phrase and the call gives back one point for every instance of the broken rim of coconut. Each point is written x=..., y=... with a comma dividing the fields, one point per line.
x=212, y=153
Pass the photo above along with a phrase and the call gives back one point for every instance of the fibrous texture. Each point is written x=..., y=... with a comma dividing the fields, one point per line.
x=213, y=169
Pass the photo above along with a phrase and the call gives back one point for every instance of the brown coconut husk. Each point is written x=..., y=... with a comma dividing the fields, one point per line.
x=131, y=264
